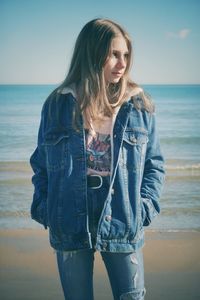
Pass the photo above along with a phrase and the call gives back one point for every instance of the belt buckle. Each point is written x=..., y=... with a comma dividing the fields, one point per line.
x=101, y=181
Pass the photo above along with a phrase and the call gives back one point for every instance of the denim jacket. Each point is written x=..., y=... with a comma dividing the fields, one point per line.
x=60, y=181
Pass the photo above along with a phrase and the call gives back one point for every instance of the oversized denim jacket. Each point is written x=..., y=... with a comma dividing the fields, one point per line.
x=60, y=181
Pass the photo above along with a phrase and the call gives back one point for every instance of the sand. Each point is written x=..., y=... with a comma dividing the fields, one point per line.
x=29, y=270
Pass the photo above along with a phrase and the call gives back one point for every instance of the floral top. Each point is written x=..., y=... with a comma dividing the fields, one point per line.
x=98, y=149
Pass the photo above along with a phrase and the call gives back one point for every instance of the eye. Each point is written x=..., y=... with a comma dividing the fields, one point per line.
x=126, y=56
x=115, y=54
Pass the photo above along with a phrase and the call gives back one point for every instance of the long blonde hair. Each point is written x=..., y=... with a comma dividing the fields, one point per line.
x=91, y=51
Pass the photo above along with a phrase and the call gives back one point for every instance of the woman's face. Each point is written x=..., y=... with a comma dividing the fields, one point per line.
x=116, y=62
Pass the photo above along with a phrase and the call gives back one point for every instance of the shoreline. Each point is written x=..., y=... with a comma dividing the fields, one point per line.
x=29, y=270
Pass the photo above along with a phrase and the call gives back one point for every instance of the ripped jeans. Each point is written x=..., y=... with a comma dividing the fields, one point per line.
x=125, y=270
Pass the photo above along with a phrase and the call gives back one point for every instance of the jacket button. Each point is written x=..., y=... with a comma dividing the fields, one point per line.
x=133, y=139
x=108, y=218
x=112, y=191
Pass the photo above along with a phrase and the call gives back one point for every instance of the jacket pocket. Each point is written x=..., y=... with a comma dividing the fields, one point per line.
x=133, y=148
x=148, y=211
x=136, y=136
x=39, y=212
x=56, y=143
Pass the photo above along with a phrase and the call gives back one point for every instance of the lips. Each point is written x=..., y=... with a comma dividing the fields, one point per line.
x=117, y=73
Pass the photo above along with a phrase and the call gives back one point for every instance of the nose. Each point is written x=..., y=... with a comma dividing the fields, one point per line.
x=121, y=64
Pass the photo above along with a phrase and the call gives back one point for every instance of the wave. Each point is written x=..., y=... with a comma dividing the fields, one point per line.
x=188, y=167
x=14, y=214
x=177, y=211
x=177, y=140
x=168, y=230
x=15, y=166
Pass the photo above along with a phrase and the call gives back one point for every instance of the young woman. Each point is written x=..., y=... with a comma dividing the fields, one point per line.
x=98, y=166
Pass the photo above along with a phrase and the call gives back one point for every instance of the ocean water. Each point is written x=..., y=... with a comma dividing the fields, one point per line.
x=178, y=121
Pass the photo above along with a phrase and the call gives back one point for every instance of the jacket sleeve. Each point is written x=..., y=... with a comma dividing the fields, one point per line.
x=153, y=176
x=39, y=179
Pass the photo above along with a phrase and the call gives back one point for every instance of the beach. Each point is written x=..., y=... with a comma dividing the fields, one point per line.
x=29, y=270
x=171, y=252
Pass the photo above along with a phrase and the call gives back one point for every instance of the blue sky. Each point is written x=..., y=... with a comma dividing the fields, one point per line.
x=37, y=38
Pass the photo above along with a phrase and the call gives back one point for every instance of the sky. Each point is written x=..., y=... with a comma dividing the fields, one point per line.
x=37, y=38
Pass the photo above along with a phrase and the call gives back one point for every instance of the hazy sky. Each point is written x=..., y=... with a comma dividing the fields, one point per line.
x=37, y=37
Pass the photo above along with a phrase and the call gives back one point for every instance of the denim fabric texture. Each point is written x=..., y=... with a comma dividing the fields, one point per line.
x=60, y=196
x=125, y=270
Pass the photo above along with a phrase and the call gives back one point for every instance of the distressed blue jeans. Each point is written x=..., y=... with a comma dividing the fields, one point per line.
x=125, y=270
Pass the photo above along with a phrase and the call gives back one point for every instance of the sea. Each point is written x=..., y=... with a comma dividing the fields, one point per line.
x=178, y=122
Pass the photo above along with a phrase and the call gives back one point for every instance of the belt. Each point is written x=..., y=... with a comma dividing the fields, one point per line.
x=96, y=181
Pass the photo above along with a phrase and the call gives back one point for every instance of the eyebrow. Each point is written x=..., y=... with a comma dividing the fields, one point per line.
x=113, y=50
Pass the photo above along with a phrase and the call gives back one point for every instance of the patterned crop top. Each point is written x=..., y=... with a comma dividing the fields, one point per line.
x=98, y=152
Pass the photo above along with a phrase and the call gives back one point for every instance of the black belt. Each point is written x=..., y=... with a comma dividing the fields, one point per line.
x=96, y=181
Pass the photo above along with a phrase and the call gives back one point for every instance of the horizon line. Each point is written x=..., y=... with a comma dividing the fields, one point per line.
x=145, y=83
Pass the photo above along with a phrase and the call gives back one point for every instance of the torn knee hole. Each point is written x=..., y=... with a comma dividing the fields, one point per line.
x=135, y=277
x=134, y=295
x=134, y=259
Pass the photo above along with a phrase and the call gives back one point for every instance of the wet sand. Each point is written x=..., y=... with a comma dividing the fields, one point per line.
x=29, y=271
